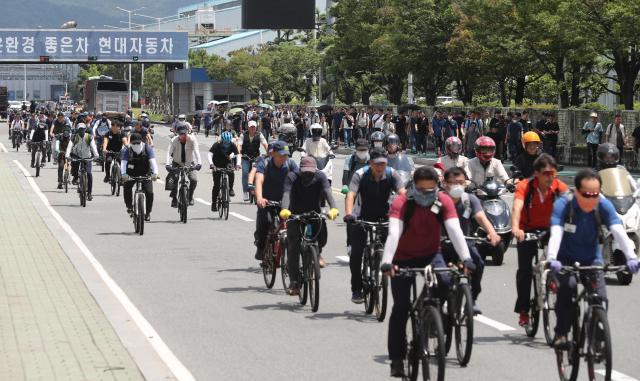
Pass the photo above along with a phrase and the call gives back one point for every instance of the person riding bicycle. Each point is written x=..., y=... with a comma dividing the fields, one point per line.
x=270, y=177
x=39, y=135
x=288, y=132
x=101, y=122
x=397, y=159
x=453, y=157
x=468, y=207
x=113, y=141
x=575, y=231
x=17, y=127
x=532, y=207
x=415, y=224
x=524, y=163
x=138, y=128
x=59, y=125
x=220, y=156
x=352, y=163
x=82, y=147
x=484, y=164
x=138, y=159
x=250, y=147
x=61, y=149
x=368, y=199
x=183, y=151
x=377, y=139
x=303, y=193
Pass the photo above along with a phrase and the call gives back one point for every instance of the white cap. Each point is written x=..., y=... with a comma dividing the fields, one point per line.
x=252, y=123
x=315, y=126
x=593, y=115
x=182, y=116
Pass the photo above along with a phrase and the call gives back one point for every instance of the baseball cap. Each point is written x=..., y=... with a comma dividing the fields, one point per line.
x=308, y=164
x=135, y=138
x=281, y=147
x=594, y=115
x=378, y=155
x=362, y=145
x=253, y=123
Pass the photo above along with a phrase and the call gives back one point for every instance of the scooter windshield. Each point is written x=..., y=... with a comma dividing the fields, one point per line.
x=615, y=182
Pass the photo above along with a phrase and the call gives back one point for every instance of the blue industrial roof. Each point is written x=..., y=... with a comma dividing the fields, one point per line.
x=233, y=37
x=202, y=5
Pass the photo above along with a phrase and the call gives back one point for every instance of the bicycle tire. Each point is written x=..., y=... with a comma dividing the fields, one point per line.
x=548, y=312
x=284, y=270
x=599, y=344
x=269, y=265
x=412, y=356
x=140, y=205
x=381, y=288
x=184, y=195
x=463, y=317
x=118, y=184
x=367, y=281
x=65, y=179
x=83, y=189
x=314, y=278
x=302, y=277
x=113, y=179
x=432, y=344
x=534, y=312
x=38, y=159
x=225, y=199
x=568, y=361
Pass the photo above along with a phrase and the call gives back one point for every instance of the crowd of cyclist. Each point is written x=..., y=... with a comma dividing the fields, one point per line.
x=380, y=183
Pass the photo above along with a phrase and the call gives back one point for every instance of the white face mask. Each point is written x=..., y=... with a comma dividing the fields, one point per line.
x=456, y=191
x=362, y=155
x=377, y=144
x=137, y=148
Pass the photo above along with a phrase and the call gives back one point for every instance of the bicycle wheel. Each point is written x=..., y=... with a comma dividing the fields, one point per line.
x=140, y=201
x=412, y=357
x=269, y=265
x=284, y=270
x=534, y=312
x=599, y=345
x=313, y=272
x=549, y=310
x=432, y=353
x=184, y=196
x=367, y=281
x=38, y=160
x=118, y=182
x=302, y=278
x=380, y=282
x=463, y=317
x=225, y=199
x=83, y=189
x=113, y=179
x=568, y=360
x=65, y=180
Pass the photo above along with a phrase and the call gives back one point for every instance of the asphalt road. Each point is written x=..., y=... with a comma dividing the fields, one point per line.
x=200, y=288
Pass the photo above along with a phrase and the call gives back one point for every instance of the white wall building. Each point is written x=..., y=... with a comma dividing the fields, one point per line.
x=43, y=82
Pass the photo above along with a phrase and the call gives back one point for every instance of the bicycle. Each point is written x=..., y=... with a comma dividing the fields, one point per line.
x=17, y=139
x=275, y=251
x=115, y=178
x=427, y=343
x=374, y=284
x=39, y=161
x=83, y=181
x=222, y=199
x=252, y=196
x=139, y=200
x=65, y=176
x=309, y=266
x=183, y=191
x=594, y=331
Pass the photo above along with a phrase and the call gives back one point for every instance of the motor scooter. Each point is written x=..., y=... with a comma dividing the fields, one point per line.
x=617, y=186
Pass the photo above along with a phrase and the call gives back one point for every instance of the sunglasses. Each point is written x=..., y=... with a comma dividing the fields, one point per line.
x=590, y=194
x=549, y=173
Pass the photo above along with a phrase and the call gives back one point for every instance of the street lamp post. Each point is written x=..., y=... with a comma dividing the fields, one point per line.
x=129, y=12
x=158, y=19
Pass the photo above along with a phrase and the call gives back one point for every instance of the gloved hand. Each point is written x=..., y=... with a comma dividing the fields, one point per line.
x=469, y=265
x=125, y=178
x=556, y=266
x=333, y=213
x=285, y=214
x=168, y=168
x=349, y=218
x=198, y=167
x=345, y=189
x=632, y=264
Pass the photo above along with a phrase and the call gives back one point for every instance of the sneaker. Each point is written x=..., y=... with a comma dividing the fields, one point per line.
x=214, y=206
x=259, y=255
x=245, y=196
x=106, y=179
x=232, y=193
x=357, y=298
x=59, y=185
x=33, y=165
x=476, y=309
x=129, y=211
x=191, y=203
x=524, y=319
x=89, y=197
x=321, y=261
x=174, y=203
x=147, y=217
x=293, y=289
x=397, y=368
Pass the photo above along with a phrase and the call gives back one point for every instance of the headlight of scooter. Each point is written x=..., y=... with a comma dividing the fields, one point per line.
x=494, y=207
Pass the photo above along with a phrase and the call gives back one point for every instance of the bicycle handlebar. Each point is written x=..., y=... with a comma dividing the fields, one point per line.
x=576, y=268
x=535, y=235
x=308, y=216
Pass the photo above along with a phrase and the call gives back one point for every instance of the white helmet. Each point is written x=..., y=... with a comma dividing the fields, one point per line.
x=316, y=131
x=182, y=116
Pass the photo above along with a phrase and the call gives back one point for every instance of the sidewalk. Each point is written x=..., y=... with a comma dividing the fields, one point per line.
x=50, y=326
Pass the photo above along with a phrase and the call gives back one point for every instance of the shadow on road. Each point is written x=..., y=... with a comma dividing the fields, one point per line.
x=346, y=315
x=254, y=270
x=292, y=307
x=120, y=233
x=514, y=339
x=67, y=205
x=260, y=290
x=164, y=222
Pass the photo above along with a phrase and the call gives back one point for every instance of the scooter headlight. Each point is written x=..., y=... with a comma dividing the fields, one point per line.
x=494, y=208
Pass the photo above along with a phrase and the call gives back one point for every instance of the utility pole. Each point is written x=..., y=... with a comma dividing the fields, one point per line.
x=158, y=19
x=129, y=12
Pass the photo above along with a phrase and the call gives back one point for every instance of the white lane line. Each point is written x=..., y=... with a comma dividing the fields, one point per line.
x=494, y=324
x=236, y=215
x=172, y=362
x=617, y=376
x=3, y=148
x=342, y=258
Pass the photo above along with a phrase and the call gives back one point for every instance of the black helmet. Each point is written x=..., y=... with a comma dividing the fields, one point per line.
x=377, y=139
x=392, y=140
x=608, y=155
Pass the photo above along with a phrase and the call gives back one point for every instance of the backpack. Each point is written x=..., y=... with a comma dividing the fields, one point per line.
x=602, y=229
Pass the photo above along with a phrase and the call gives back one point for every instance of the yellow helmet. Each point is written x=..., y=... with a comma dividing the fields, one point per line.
x=530, y=137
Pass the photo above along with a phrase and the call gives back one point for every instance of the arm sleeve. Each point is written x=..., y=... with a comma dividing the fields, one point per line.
x=196, y=152
x=393, y=238
x=169, y=152
x=154, y=166
x=621, y=237
x=68, y=153
x=210, y=157
x=286, y=196
x=31, y=134
x=554, y=242
x=457, y=238
x=94, y=149
x=123, y=166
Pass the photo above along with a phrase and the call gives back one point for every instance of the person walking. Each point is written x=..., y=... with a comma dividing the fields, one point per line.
x=593, y=131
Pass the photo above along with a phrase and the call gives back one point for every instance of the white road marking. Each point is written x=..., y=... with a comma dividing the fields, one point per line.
x=342, y=258
x=172, y=362
x=493, y=324
x=617, y=376
x=236, y=215
x=3, y=148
